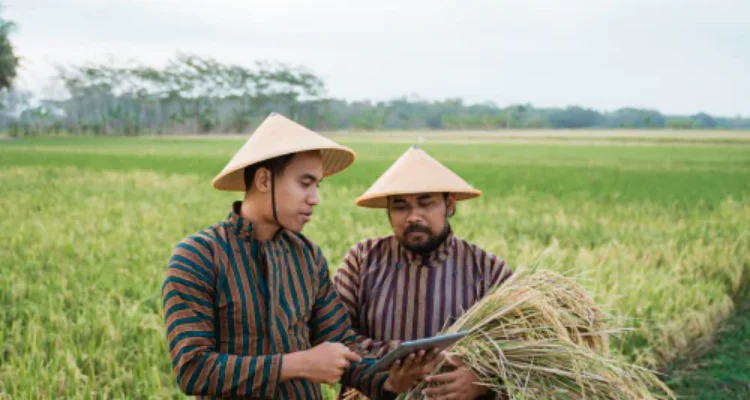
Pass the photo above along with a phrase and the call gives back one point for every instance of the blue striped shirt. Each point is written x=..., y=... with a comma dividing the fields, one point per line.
x=233, y=306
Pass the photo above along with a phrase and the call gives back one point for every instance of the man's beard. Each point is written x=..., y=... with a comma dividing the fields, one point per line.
x=432, y=242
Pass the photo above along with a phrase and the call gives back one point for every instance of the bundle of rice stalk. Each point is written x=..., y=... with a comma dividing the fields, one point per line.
x=541, y=336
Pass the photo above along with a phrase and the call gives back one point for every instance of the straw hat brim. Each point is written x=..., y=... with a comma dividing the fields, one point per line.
x=278, y=136
x=335, y=160
x=381, y=200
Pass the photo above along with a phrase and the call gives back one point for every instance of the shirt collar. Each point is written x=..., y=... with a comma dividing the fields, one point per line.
x=242, y=227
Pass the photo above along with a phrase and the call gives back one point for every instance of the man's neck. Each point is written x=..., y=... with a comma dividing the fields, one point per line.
x=263, y=229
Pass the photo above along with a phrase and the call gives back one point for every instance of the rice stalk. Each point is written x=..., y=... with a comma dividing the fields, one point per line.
x=541, y=336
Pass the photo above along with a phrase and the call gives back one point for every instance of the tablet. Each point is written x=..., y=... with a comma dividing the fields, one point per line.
x=414, y=346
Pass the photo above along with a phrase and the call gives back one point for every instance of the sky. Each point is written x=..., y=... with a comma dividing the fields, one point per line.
x=677, y=56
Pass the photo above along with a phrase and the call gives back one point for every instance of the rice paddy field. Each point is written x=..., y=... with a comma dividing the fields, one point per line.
x=657, y=229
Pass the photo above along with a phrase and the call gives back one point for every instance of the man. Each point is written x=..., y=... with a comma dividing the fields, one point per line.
x=248, y=304
x=415, y=282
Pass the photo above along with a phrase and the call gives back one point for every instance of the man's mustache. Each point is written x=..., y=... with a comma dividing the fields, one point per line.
x=417, y=228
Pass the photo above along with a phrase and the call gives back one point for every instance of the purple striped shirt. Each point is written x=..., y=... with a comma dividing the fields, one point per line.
x=392, y=293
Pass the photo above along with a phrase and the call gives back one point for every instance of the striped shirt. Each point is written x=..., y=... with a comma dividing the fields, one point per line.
x=393, y=294
x=234, y=305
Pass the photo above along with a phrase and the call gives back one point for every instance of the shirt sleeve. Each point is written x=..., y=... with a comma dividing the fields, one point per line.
x=188, y=295
x=331, y=323
x=495, y=271
x=346, y=283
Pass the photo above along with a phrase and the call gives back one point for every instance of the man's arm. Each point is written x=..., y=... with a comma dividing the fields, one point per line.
x=331, y=322
x=188, y=295
x=346, y=284
x=495, y=271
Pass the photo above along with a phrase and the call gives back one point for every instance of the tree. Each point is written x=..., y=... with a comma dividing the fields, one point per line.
x=191, y=94
x=8, y=59
x=574, y=117
x=704, y=120
x=635, y=118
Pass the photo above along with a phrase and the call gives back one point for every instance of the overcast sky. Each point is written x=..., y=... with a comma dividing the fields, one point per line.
x=679, y=56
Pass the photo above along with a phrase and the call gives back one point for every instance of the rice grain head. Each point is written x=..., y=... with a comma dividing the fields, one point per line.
x=540, y=335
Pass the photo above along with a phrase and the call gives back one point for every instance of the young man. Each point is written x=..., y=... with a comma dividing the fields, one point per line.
x=249, y=307
x=415, y=282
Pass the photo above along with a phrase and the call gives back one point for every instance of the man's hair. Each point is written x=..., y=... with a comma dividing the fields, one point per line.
x=276, y=165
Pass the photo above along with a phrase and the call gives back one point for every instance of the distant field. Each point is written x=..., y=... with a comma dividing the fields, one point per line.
x=659, y=232
x=579, y=136
x=557, y=136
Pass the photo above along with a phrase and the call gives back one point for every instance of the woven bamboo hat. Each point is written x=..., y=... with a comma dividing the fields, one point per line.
x=412, y=173
x=278, y=136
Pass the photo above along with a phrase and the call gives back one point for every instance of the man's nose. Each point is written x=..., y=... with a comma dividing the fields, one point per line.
x=314, y=198
x=414, y=217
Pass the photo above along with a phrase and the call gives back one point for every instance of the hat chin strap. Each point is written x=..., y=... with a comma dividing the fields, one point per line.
x=273, y=204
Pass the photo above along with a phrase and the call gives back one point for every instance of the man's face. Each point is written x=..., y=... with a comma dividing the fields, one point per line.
x=297, y=190
x=419, y=220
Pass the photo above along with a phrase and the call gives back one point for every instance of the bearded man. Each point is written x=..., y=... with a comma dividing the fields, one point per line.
x=418, y=280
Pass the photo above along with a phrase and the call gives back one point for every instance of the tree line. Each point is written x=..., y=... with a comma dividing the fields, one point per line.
x=193, y=94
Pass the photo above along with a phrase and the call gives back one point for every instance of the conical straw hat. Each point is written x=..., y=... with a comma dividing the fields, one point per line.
x=278, y=136
x=415, y=172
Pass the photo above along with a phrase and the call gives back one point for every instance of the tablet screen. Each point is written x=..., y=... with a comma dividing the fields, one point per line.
x=441, y=342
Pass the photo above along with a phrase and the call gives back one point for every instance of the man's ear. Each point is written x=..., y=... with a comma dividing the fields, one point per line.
x=262, y=179
x=450, y=204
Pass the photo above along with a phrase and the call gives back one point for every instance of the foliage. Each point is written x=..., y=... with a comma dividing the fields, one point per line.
x=722, y=372
x=194, y=94
x=8, y=58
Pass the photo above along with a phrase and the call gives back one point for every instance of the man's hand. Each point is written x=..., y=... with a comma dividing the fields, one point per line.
x=403, y=375
x=459, y=384
x=324, y=363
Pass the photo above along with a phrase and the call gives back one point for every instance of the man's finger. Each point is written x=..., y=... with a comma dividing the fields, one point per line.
x=417, y=362
x=451, y=360
x=431, y=355
x=443, y=378
x=352, y=356
x=430, y=360
x=408, y=362
x=456, y=362
x=447, y=396
x=437, y=391
x=417, y=359
x=395, y=368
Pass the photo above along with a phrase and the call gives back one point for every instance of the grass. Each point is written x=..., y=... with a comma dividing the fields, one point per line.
x=722, y=372
x=657, y=233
